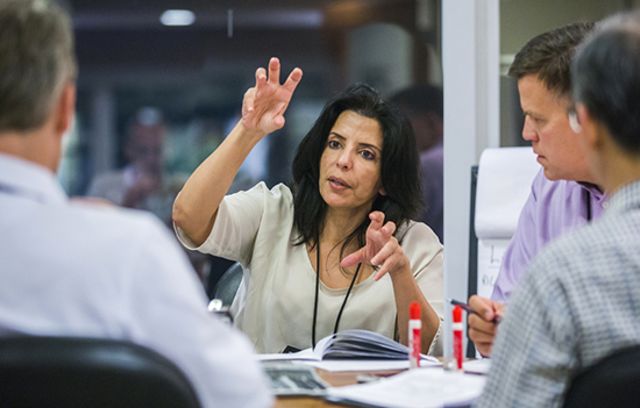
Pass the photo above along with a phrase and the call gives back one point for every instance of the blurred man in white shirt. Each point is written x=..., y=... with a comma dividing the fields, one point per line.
x=74, y=270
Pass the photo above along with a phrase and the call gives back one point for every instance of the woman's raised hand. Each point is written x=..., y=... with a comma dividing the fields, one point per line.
x=381, y=248
x=264, y=104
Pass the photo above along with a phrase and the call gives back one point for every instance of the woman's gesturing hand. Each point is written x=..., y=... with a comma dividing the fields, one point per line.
x=381, y=248
x=264, y=104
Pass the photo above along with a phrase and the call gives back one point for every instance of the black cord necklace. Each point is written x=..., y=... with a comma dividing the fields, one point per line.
x=315, y=302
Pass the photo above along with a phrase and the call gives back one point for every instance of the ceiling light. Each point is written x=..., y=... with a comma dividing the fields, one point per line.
x=177, y=18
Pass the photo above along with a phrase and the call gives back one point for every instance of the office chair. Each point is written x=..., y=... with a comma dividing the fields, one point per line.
x=83, y=372
x=228, y=284
x=612, y=382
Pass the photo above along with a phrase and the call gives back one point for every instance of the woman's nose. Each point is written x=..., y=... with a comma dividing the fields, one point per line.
x=345, y=160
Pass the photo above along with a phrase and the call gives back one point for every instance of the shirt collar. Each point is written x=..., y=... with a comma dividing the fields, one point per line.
x=626, y=198
x=28, y=179
x=594, y=191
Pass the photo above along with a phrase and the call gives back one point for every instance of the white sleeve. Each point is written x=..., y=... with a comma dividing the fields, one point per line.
x=237, y=222
x=422, y=247
x=171, y=317
x=425, y=254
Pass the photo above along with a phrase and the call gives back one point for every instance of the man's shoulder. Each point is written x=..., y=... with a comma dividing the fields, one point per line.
x=109, y=220
x=578, y=249
x=558, y=198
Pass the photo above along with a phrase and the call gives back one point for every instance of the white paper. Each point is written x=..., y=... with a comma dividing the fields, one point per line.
x=367, y=365
x=418, y=388
x=490, y=252
x=504, y=183
x=478, y=366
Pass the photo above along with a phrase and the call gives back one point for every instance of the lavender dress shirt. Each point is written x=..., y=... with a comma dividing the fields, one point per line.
x=552, y=209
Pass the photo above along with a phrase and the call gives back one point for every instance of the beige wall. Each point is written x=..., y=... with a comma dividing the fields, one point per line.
x=522, y=19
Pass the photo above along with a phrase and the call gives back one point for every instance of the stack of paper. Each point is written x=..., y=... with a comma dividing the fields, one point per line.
x=418, y=388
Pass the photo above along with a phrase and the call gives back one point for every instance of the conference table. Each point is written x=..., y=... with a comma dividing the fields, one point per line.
x=335, y=379
x=436, y=386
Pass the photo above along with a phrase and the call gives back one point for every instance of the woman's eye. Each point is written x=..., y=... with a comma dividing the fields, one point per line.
x=367, y=155
x=333, y=144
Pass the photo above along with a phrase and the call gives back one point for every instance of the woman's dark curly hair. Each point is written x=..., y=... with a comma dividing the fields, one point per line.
x=399, y=170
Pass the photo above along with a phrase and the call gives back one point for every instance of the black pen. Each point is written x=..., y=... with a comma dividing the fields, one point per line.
x=469, y=309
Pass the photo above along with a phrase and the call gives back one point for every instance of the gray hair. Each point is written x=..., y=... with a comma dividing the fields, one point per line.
x=606, y=75
x=36, y=60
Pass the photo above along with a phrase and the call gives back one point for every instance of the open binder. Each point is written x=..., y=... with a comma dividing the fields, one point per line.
x=353, y=344
x=360, y=345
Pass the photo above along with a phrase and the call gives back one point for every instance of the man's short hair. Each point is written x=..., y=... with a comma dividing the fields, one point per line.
x=36, y=60
x=606, y=74
x=549, y=55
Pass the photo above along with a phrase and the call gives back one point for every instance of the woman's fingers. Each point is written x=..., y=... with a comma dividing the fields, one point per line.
x=377, y=218
x=278, y=122
x=389, y=258
x=389, y=228
x=354, y=258
x=247, y=101
x=385, y=252
x=274, y=71
x=390, y=264
x=265, y=104
x=261, y=74
x=293, y=80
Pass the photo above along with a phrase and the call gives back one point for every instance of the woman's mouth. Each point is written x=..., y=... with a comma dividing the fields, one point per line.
x=338, y=183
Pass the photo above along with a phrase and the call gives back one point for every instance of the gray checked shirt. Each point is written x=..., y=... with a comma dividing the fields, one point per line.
x=579, y=302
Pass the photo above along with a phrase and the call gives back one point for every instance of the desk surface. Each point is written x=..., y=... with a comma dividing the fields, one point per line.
x=335, y=379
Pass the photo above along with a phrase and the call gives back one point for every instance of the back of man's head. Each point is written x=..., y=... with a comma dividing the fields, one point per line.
x=37, y=59
x=548, y=56
x=606, y=74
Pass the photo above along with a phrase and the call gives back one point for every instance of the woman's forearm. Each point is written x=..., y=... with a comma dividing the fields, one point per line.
x=196, y=205
x=406, y=290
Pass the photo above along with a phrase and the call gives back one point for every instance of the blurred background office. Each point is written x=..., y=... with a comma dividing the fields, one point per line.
x=183, y=66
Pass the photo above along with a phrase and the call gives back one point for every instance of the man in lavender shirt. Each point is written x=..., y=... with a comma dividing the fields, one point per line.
x=563, y=195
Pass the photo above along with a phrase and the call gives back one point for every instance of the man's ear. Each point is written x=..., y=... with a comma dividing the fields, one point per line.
x=66, y=109
x=382, y=192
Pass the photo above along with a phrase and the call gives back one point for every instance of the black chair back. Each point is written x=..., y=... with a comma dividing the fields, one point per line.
x=612, y=382
x=82, y=372
x=228, y=284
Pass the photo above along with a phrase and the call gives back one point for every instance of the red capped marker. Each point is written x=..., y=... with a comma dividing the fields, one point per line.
x=457, y=336
x=415, y=324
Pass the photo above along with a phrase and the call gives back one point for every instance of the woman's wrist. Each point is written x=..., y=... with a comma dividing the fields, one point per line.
x=252, y=135
x=401, y=273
